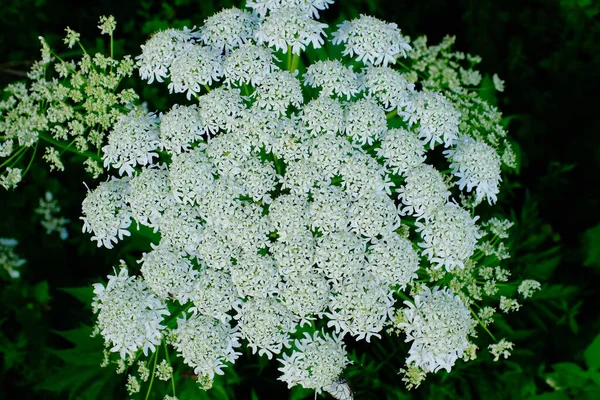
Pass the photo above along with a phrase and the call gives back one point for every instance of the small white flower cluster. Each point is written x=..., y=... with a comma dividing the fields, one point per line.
x=69, y=104
x=438, y=323
x=9, y=260
x=129, y=314
x=49, y=209
x=286, y=200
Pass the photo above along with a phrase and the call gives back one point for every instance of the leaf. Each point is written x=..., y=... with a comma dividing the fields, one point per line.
x=592, y=354
x=85, y=294
x=41, y=292
x=570, y=375
x=487, y=90
x=590, y=244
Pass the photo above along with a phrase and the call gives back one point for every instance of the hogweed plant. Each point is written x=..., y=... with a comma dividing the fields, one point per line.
x=296, y=203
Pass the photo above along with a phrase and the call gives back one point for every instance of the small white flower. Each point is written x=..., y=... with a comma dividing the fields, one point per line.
x=206, y=344
x=228, y=29
x=159, y=52
x=319, y=359
x=333, y=77
x=476, y=164
x=373, y=41
x=194, y=66
x=129, y=314
x=106, y=213
x=290, y=27
x=132, y=142
x=498, y=83
x=438, y=323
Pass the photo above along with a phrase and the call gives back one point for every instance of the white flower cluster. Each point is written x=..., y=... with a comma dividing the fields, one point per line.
x=129, y=314
x=286, y=200
x=438, y=323
x=9, y=260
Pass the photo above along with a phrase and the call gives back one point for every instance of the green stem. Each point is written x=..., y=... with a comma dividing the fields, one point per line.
x=16, y=153
x=172, y=375
x=289, y=58
x=153, y=372
x=295, y=60
x=62, y=145
x=392, y=114
x=207, y=88
x=482, y=325
x=32, y=157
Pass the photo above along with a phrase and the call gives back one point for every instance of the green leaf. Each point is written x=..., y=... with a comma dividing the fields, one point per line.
x=569, y=375
x=592, y=354
x=41, y=292
x=591, y=247
x=487, y=90
x=85, y=294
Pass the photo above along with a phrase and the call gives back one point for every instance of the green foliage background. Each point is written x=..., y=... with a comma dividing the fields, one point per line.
x=547, y=51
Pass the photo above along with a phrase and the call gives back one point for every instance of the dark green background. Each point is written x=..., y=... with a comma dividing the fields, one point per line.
x=548, y=52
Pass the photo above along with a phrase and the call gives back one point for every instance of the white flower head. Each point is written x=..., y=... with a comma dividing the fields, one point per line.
x=390, y=87
x=149, y=196
x=106, y=213
x=129, y=314
x=423, y=192
x=159, y=52
x=373, y=41
x=310, y=7
x=290, y=27
x=438, y=323
x=219, y=108
x=365, y=121
x=394, y=260
x=360, y=305
x=333, y=77
x=206, y=344
x=266, y=324
x=318, y=360
x=438, y=119
x=168, y=273
x=194, y=66
x=476, y=164
x=249, y=64
x=401, y=150
x=228, y=29
x=132, y=142
x=180, y=127
x=323, y=115
x=278, y=91
x=449, y=237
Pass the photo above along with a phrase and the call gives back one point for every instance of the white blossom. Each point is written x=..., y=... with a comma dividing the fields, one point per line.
x=450, y=237
x=105, y=212
x=476, y=164
x=438, y=323
x=290, y=27
x=159, y=52
x=372, y=40
x=206, y=344
x=333, y=77
x=129, y=314
x=132, y=142
x=318, y=360
x=228, y=29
